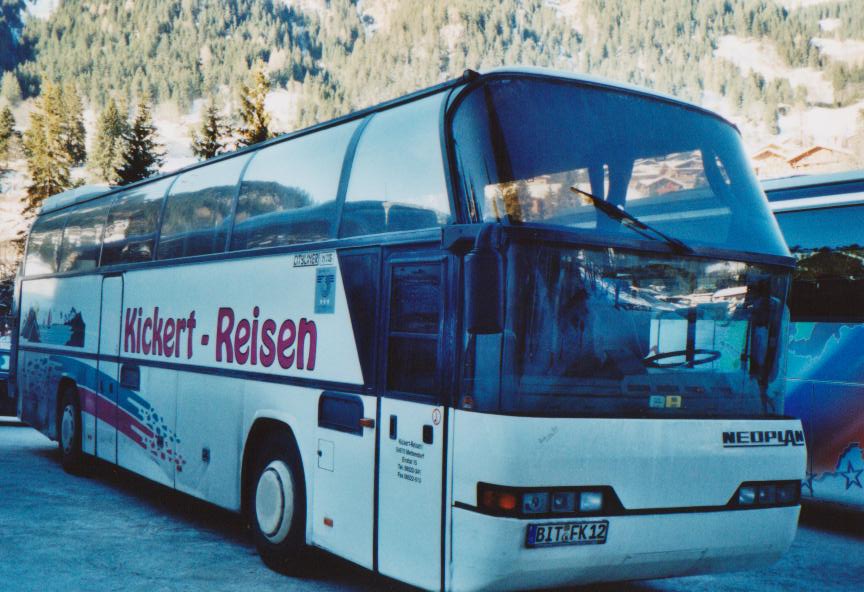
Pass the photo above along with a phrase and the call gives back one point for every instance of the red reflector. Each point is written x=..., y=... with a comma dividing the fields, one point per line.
x=328, y=522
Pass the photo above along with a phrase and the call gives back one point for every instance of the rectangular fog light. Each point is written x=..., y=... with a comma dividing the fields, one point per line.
x=590, y=501
x=746, y=496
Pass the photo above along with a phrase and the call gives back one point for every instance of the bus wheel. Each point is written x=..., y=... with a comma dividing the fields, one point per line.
x=277, y=509
x=71, y=455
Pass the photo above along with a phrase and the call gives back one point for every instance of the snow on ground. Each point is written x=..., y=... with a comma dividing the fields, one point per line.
x=13, y=185
x=850, y=51
x=282, y=105
x=116, y=531
x=793, y=4
x=174, y=132
x=826, y=126
x=379, y=11
x=752, y=55
x=42, y=8
x=829, y=24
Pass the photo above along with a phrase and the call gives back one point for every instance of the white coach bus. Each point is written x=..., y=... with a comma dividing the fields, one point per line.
x=517, y=330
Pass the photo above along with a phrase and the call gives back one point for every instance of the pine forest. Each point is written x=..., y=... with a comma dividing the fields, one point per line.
x=113, y=91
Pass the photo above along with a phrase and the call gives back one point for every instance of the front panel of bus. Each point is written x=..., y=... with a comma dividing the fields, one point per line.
x=621, y=415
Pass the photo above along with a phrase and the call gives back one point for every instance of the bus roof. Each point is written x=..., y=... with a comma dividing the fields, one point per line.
x=72, y=196
x=809, y=192
x=86, y=193
x=795, y=181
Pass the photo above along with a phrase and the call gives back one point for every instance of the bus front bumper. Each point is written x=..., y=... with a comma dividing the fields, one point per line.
x=490, y=553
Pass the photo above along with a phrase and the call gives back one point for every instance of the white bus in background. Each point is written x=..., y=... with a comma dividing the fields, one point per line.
x=432, y=338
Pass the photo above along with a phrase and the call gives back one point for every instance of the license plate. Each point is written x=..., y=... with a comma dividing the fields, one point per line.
x=584, y=532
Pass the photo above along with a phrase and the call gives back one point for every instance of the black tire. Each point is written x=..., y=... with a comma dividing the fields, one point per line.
x=277, y=504
x=69, y=431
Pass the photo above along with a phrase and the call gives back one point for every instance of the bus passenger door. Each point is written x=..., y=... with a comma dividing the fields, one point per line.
x=107, y=368
x=413, y=430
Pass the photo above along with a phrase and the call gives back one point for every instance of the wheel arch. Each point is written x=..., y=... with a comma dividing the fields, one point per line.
x=64, y=382
x=262, y=428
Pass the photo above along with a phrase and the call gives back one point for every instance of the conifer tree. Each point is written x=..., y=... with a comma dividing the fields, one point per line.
x=211, y=138
x=106, y=154
x=142, y=153
x=10, y=89
x=74, y=133
x=254, y=117
x=48, y=160
x=7, y=133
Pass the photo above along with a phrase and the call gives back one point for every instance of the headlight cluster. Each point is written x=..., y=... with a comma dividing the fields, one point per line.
x=601, y=500
x=767, y=493
x=510, y=501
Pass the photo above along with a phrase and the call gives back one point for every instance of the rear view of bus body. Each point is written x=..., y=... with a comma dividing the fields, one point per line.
x=419, y=337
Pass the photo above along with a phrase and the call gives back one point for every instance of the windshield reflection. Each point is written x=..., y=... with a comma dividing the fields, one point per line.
x=601, y=332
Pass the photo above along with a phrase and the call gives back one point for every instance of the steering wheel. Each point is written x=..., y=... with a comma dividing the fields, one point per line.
x=708, y=356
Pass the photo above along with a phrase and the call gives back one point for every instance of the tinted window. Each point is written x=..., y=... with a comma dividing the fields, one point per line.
x=397, y=179
x=82, y=237
x=44, y=243
x=288, y=193
x=130, y=232
x=415, y=313
x=198, y=211
x=828, y=283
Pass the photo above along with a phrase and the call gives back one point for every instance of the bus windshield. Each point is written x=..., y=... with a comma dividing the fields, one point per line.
x=522, y=143
x=601, y=332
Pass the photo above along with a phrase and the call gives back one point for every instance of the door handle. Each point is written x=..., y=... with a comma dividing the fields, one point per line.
x=427, y=434
x=392, y=427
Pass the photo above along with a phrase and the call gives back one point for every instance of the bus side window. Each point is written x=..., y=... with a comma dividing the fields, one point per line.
x=415, y=328
x=82, y=237
x=828, y=282
x=397, y=179
x=288, y=193
x=44, y=244
x=130, y=231
x=198, y=212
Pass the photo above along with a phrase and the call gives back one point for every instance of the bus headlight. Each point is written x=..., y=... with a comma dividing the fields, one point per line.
x=747, y=496
x=503, y=500
x=788, y=493
x=563, y=501
x=535, y=502
x=590, y=501
x=767, y=494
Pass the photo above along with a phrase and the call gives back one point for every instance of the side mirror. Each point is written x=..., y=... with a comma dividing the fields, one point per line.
x=484, y=285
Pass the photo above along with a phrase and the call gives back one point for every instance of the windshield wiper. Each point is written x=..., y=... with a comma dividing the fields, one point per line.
x=630, y=221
